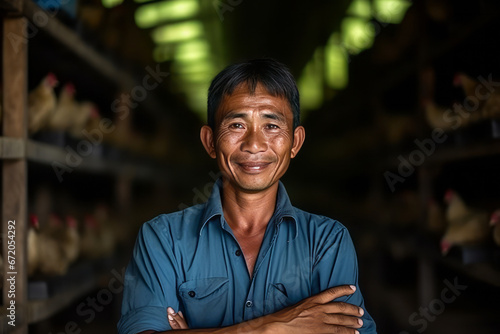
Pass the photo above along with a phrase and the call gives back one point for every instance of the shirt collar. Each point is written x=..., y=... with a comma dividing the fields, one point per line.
x=284, y=210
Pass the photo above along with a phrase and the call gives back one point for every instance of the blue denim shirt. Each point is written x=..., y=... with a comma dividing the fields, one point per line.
x=190, y=260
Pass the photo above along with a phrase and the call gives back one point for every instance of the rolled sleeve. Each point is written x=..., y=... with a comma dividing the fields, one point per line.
x=150, y=283
x=144, y=318
x=336, y=264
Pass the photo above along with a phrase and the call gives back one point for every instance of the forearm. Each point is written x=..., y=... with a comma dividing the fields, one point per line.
x=260, y=325
x=315, y=314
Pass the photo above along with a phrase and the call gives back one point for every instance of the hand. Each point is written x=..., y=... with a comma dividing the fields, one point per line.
x=176, y=320
x=318, y=314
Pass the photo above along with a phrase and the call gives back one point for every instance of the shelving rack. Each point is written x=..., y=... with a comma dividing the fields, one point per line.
x=363, y=169
x=16, y=151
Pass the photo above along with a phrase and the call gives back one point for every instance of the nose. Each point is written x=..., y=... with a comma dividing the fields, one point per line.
x=254, y=141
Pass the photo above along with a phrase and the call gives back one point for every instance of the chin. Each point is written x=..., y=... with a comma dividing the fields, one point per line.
x=255, y=185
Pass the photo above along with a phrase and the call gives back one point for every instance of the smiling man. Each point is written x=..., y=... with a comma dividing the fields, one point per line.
x=246, y=261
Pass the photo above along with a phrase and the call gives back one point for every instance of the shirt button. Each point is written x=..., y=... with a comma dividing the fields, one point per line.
x=248, y=303
x=238, y=252
x=191, y=293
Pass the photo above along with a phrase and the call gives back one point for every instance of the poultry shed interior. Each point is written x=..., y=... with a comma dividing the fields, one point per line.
x=103, y=101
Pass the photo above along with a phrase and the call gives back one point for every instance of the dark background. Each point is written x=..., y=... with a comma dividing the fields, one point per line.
x=355, y=137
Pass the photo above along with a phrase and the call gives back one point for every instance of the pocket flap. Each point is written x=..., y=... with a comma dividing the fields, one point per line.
x=201, y=288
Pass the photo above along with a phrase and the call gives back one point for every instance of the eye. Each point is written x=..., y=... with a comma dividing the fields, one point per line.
x=236, y=126
x=272, y=126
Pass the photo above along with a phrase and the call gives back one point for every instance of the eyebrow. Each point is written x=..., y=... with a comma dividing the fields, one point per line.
x=269, y=115
x=275, y=116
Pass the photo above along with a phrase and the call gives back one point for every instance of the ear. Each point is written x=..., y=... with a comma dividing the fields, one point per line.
x=299, y=135
x=207, y=139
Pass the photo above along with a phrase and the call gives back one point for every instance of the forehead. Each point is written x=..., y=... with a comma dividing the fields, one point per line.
x=242, y=98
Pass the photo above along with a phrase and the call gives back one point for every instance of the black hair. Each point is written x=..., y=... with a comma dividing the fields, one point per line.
x=273, y=75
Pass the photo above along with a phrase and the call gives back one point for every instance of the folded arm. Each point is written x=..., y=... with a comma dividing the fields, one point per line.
x=316, y=314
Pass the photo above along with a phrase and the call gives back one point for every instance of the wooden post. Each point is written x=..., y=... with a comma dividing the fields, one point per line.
x=14, y=178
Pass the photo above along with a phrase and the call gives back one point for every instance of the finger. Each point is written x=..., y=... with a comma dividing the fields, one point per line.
x=177, y=321
x=339, y=308
x=173, y=322
x=174, y=319
x=182, y=321
x=343, y=320
x=333, y=293
x=342, y=330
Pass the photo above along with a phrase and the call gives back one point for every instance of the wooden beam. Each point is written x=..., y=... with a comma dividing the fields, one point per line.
x=12, y=7
x=14, y=172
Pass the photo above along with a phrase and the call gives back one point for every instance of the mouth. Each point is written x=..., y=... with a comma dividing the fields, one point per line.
x=253, y=167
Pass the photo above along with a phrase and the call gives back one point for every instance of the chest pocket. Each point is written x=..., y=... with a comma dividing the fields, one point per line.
x=205, y=301
x=276, y=298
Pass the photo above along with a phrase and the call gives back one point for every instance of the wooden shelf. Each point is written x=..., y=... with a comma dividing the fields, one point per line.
x=484, y=272
x=419, y=245
x=73, y=42
x=14, y=148
x=450, y=154
x=80, y=280
x=101, y=64
x=17, y=151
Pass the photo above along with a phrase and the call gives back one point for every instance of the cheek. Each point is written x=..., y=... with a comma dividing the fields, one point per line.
x=281, y=144
x=225, y=139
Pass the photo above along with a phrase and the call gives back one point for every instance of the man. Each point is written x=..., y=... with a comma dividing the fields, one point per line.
x=246, y=261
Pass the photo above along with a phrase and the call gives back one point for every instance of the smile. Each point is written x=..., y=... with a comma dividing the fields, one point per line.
x=253, y=167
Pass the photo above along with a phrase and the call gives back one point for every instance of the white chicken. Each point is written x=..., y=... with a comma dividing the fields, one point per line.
x=436, y=221
x=488, y=107
x=52, y=249
x=32, y=241
x=495, y=226
x=69, y=239
x=84, y=112
x=42, y=102
x=465, y=225
x=63, y=115
x=98, y=239
x=491, y=108
x=436, y=116
x=107, y=234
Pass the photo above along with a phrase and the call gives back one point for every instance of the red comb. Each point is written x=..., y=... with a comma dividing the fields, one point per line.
x=34, y=220
x=51, y=79
x=90, y=221
x=55, y=220
x=445, y=247
x=71, y=221
x=94, y=113
x=495, y=218
x=70, y=88
x=448, y=195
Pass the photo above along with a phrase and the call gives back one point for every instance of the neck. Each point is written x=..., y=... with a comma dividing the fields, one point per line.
x=246, y=212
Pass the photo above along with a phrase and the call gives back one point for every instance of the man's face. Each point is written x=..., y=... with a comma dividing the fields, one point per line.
x=254, y=138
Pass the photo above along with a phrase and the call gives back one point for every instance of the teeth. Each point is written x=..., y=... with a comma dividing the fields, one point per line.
x=253, y=167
